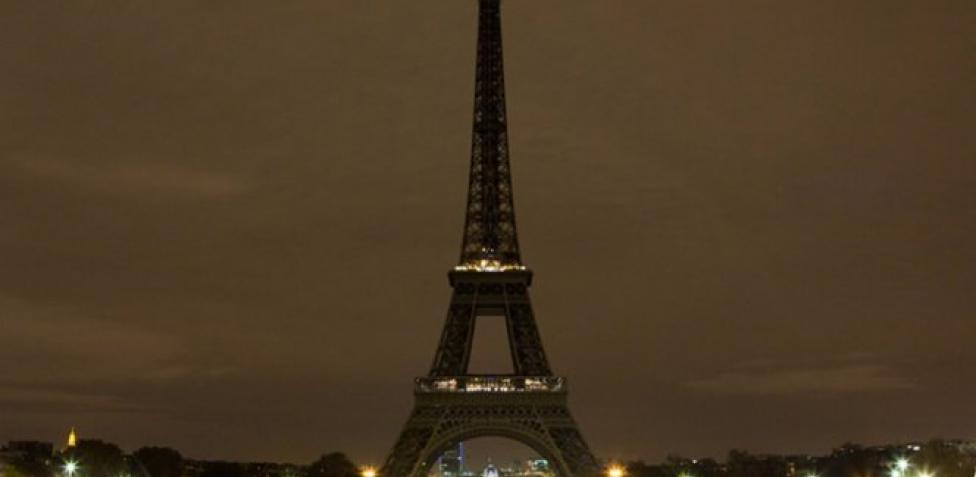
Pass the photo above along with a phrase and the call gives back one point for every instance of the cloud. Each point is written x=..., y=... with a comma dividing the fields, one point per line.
x=850, y=378
x=70, y=360
x=78, y=348
x=137, y=177
x=27, y=399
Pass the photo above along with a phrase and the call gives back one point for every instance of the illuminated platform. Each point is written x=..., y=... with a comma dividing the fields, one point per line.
x=490, y=384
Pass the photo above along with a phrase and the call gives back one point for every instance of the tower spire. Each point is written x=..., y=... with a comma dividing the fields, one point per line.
x=490, y=241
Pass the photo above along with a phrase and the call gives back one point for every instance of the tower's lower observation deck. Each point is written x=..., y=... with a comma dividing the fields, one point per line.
x=490, y=384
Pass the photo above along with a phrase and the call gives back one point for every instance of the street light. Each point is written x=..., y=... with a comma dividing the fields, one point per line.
x=616, y=471
x=70, y=467
x=901, y=467
x=368, y=471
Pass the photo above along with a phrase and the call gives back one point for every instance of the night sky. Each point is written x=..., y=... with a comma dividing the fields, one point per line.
x=226, y=226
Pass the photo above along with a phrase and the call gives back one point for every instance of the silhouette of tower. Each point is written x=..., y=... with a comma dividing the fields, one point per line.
x=452, y=405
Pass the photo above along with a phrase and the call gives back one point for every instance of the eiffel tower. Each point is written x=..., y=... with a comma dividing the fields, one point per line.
x=452, y=405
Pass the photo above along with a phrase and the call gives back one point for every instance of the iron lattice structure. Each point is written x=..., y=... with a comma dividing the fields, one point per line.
x=489, y=226
x=451, y=405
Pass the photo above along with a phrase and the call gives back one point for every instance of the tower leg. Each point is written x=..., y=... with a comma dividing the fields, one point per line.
x=523, y=337
x=454, y=350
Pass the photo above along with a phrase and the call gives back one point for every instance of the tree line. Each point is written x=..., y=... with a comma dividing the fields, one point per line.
x=97, y=458
x=936, y=458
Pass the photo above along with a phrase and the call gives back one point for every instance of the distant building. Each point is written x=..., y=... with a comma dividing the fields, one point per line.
x=72, y=439
x=490, y=471
x=539, y=466
x=451, y=463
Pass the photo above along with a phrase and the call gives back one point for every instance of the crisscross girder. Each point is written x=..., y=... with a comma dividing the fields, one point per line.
x=490, y=241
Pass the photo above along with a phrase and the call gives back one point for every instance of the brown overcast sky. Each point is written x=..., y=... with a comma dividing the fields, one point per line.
x=225, y=226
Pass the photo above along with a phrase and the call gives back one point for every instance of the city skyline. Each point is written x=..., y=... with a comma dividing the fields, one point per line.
x=932, y=458
x=752, y=226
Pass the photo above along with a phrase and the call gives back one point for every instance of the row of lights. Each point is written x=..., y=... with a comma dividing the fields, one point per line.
x=612, y=471
x=900, y=469
x=71, y=468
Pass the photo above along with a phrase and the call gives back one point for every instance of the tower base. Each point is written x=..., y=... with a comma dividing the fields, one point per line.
x=530, y=410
